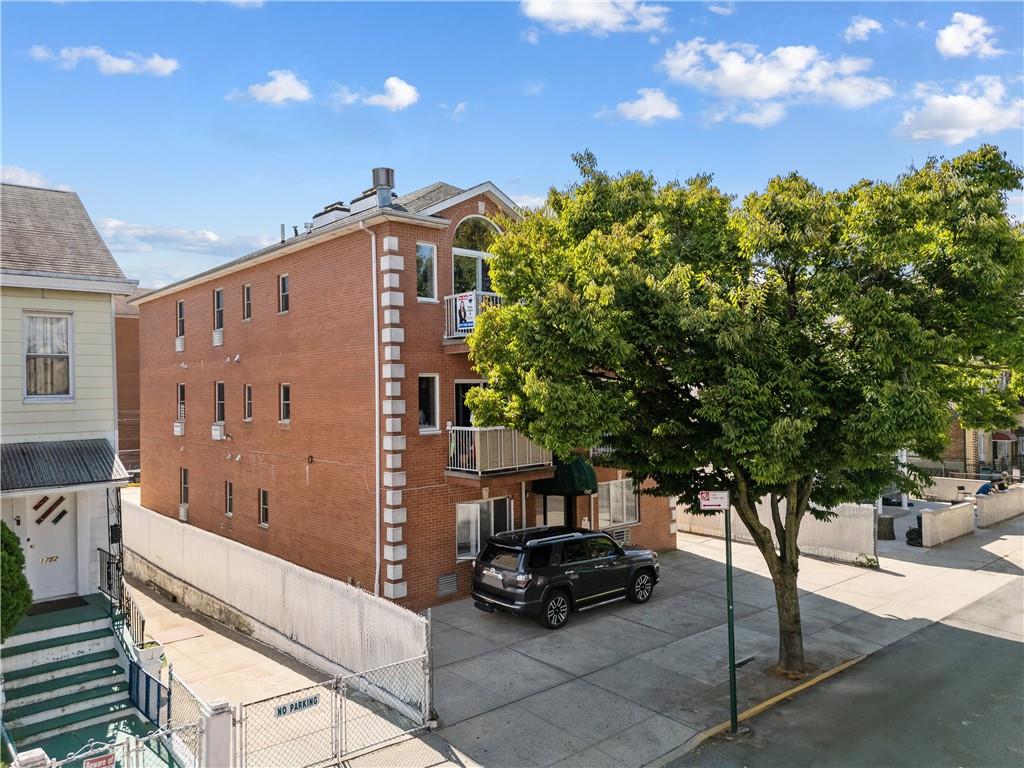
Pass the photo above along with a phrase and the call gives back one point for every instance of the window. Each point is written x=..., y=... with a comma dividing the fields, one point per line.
x=540, y=557
x=218, y=309
x=264, y=507
x=247, y=302
x=47, y=355
x=470, y=257
x=599, y=547
x=575, y=552
x=463, y=416
x=181, y=319
x=181, y=401
x=428, y=402
x=229, y=498
x=475, y=521
x=285, y=411
x=183, y=486
x=426, y=273
x=554, y=510
x=283, y=300
x=247, y=399
x=218, y=402
x=616, y=503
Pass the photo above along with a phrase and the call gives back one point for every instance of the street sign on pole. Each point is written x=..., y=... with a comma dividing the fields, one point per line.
x=719, y=500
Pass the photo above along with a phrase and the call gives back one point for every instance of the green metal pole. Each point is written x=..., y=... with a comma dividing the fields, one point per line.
x=733, y=718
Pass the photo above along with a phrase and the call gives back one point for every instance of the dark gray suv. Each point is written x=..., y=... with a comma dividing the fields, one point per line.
x=548, y=572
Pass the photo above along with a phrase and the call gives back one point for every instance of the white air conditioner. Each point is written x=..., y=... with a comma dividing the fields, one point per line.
x=179, y=428
x=217, y=431
x=183, y=512
x=218, y=337
x=179, y=343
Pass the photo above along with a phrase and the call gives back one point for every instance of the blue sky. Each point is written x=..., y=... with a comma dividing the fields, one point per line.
x=193, y=130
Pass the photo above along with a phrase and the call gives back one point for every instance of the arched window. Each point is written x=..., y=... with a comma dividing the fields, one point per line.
x=470, y=246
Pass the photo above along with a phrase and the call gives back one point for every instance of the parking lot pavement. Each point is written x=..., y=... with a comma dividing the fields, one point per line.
x=625, y=684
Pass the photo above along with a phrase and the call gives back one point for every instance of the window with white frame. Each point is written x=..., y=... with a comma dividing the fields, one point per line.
x=426, y=271
x=181, y=318
x=617, y=503
x=218, y=402
x=183, y=485
x=283, y=295
x=218, y=309
x=475, y=521
x=246, y=302
x=285, y=408
x=470, y=255
x=428, y=402
x=229, y=498
x=247, y=399
x=47, y=355
x=264, y=501
x=181, y=401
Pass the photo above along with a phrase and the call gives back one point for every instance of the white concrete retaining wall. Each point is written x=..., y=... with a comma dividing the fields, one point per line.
x=847, y=538
x=344, y=624
x=947, y=523
x=995, y=507
x=945, y=488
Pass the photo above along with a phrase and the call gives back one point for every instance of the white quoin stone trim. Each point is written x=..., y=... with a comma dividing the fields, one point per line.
x=394, y=443
x=394, y=371
x=394, y=424
x=393, y=388
x=394, y=479
x=394, y=498
x=392, y=353
x=391, y=243
x=392, y=335
x=394, y=535
x=395, y=572
x=393, y=460
x=395, y=516
x=392, y=263
x=391, y=316
x=392, y=299
x=395, y=591
x=394, y=407
x=391, y=280
x=394, y=553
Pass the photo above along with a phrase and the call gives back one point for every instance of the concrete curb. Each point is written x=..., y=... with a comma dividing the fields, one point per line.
x=699, y=738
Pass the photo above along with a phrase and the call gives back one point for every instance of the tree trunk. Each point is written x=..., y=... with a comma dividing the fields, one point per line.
x=791, y=639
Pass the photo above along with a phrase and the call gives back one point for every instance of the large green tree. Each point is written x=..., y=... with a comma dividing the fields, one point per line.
x=784, y=348
x=15, y=594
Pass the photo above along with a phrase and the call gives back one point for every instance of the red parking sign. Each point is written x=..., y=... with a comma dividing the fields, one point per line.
x=100, y=761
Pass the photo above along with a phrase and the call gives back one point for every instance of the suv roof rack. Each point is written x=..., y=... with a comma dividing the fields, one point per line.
x=531, y=537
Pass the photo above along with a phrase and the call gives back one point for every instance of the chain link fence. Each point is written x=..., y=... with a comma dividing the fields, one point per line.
x=185, y=714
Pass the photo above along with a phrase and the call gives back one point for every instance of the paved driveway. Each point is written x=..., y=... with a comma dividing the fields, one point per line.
x=625, y=684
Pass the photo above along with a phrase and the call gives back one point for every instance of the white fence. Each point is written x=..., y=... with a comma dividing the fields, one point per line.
x=951, y=488
x=946, y=523
x=849, y=537
x=342, y=624
x=995, y=507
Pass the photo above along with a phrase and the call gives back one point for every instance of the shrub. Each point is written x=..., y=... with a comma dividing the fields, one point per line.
x=15, y=593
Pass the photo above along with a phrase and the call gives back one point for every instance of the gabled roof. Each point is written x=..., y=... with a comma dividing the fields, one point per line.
x=423, y=197
x=59, y=464
x=48, y=232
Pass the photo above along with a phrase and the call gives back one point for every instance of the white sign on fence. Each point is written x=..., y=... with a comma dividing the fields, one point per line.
x=714, y=500
x=296, y=706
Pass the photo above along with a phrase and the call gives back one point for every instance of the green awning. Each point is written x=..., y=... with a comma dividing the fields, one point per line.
x=572, y=478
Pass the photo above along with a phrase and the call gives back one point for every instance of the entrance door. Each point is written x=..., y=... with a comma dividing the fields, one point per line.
x=50, y=544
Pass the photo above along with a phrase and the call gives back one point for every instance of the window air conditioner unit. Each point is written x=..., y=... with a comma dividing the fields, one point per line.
x=179, y=343
x=217, y=432
x=183, y=512
x=218, y=337
x=179, y=428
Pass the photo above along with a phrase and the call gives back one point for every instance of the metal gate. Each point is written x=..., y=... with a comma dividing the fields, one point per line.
x=160, y=749
x=323, y=724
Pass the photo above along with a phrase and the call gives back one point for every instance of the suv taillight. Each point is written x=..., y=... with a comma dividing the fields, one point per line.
x=522, y=580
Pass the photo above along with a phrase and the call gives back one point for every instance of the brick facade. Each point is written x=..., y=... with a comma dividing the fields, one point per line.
x=126, y=335
x=319, y=468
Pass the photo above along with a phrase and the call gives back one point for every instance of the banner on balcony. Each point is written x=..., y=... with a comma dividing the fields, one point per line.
x=465, y=311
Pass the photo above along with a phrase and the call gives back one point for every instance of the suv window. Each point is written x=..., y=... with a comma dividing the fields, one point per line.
x=599, y=546
x=540, y=557
x=500, y=557
x=574, y=552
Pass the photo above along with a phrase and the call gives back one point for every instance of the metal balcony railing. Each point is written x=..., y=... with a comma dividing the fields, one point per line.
x=461, y=310
x=487, y=450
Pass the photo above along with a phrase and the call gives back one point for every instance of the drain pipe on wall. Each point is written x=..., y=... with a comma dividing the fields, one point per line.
x=376, y=411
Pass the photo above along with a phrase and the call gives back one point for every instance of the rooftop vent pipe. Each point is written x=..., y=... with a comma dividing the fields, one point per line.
x=383, y=183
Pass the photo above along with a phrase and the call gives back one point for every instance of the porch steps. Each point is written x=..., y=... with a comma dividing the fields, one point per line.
x=24, y=655
x=25, y=736
x=16, y=678
x=67, y=703
x=53, y=687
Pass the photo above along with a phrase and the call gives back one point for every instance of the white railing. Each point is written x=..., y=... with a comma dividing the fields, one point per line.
x=482, y=450
x=461, y=310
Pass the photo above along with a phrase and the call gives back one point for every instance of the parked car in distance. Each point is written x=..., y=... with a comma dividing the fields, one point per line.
x=548, y=572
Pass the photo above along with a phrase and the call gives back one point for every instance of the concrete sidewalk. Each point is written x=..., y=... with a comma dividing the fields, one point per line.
x=625, y=684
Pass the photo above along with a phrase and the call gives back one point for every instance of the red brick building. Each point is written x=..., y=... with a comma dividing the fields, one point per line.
x=126, y=334
x=307, y=400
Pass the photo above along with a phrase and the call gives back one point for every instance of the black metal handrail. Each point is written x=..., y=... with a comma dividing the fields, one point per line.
x=132, y=616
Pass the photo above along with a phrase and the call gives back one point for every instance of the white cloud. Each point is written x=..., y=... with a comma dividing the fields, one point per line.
x=722, y=9
x=535, y=88
x=282, y=87
x=597, y=17
x=861, y=28
x=341, y=96
x=529, y=201
x=531, y=35
x=107, y=64
x=651, y=105
x=753, y=85
x=967, y=35
x=398, y=95
x=974, y=108
x=455, y=111
x=15, y=174
x=246, y=3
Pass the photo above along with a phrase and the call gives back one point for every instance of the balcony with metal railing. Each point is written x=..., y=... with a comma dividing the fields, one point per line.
x=462, y=309
x=493, y=450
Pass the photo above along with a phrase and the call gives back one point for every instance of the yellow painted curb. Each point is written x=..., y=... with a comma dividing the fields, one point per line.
x=697, y=739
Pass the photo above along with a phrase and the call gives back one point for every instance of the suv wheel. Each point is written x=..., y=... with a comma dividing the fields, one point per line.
x=641, y=587
x=555, y=610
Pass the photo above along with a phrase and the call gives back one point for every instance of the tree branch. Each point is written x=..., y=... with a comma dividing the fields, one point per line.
x=748, y=514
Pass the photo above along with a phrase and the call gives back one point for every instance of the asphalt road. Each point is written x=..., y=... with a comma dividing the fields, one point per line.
x=951, y=694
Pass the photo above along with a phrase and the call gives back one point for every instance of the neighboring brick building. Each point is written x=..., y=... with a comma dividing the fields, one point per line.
x=126, y=331
x=306, y=400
